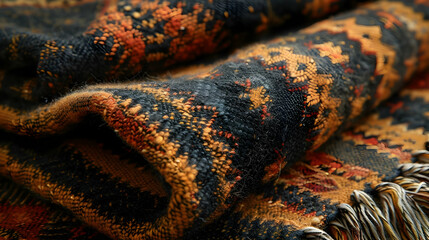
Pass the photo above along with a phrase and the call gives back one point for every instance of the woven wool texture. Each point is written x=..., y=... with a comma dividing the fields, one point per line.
x=316, y=133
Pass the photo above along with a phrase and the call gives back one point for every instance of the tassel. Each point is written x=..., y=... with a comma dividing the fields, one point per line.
x=403, y=213
x=346, y=226
x=415, y=179
x=397, y=210
x=419, y=191
x=315, y=233
x=373, y=222
x=415, y=170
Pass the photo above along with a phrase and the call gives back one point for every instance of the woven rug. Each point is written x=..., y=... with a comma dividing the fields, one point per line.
x=125, y=120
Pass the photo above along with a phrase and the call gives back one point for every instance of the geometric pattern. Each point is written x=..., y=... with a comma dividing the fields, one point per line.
x=271, y=142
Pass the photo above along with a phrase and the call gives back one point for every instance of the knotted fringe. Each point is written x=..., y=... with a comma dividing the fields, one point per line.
x=397, y=210
x=315, y=233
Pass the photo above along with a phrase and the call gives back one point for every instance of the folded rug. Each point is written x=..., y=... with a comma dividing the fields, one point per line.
x=230, y=152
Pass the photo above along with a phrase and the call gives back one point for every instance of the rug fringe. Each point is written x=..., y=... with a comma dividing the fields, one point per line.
x=419, y=191
x=419, y=171
x=315, y=233
x=395, y=210
x=405, y=216
x=347, y=224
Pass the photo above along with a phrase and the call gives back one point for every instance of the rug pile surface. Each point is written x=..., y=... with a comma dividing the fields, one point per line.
x=123, y=119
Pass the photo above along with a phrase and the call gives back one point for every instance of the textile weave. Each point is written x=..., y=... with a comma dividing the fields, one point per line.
x=315, y=133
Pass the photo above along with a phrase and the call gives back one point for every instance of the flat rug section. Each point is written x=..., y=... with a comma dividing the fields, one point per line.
x=318, y=134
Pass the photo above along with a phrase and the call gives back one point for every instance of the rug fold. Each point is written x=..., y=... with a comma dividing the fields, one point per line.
x=258, y=146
